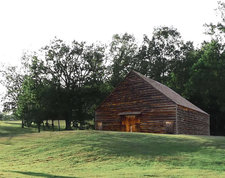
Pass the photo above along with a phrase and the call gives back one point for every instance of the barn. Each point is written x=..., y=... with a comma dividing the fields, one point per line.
x=140, y=104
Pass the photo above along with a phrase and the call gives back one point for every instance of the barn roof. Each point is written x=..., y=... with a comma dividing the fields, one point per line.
x=172, y=95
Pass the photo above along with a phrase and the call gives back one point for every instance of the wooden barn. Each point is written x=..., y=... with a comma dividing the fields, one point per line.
x=140, y=104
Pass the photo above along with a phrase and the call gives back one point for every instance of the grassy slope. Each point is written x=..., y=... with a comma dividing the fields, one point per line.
x=107, y=154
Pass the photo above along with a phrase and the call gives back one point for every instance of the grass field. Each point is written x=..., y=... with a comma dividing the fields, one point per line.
x=24, y=153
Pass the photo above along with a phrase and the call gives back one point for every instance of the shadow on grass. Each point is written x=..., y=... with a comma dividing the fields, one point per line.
x=13, y=122
x=132, y=144
x=147, y=148
x=10, y=131
x=37, y=174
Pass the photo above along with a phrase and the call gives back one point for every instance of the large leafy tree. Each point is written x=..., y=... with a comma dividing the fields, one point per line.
x=211, y=66
x=122, y=54
x=160, y=53
x=69, y=69
x=29, y=108
x=206, y=84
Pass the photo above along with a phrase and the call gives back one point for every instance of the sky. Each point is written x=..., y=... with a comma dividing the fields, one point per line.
x=28, y=25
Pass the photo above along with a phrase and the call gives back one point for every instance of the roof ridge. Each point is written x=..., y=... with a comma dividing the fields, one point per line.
x=169, y=93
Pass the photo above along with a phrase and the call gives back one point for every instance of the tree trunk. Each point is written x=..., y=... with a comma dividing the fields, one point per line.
x=39, y=127
x=47, y=124
x=68, y=125
x=43, y=125
x=59, y=125
x=53, y=125
x=22, y=123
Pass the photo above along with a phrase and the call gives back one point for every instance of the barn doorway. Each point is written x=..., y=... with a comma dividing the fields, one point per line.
x=130, y=123
x=169, y=127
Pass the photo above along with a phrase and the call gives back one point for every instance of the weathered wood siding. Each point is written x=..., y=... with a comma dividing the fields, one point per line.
x=192, y=122
x=133, y=95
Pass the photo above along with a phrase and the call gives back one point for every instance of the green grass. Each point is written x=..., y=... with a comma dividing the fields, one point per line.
x=13, y=128
x=107, y=154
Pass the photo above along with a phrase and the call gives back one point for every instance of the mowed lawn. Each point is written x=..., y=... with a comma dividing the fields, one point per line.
x=25, y=153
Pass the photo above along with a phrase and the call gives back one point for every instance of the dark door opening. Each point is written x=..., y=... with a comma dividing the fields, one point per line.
x=169, y=127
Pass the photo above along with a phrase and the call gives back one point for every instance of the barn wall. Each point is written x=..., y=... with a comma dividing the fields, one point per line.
x=135, y=94
x=192, y=122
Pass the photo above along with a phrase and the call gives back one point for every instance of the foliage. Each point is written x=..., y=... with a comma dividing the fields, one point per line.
x=12, y=78
x=160, y=53
x=64, y=82
x=206, y=84
x=217, y=31
x=123, y=51
x=179, y=76
x=30, y=103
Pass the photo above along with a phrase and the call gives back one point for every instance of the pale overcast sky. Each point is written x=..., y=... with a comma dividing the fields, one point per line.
x=31, y=24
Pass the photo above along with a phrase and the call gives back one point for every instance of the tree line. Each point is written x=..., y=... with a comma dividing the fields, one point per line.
x=68, y=81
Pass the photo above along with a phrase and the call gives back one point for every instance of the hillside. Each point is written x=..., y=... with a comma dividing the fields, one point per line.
x=24, y=153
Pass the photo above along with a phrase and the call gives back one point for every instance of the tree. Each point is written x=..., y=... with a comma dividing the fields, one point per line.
x=29, y=108
x=123, y=51
x=160, y=53
x=11, y=78
x=69, y=69
x=213, y=60
x=217, y=31
x=179, y=76
x=206, y=85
